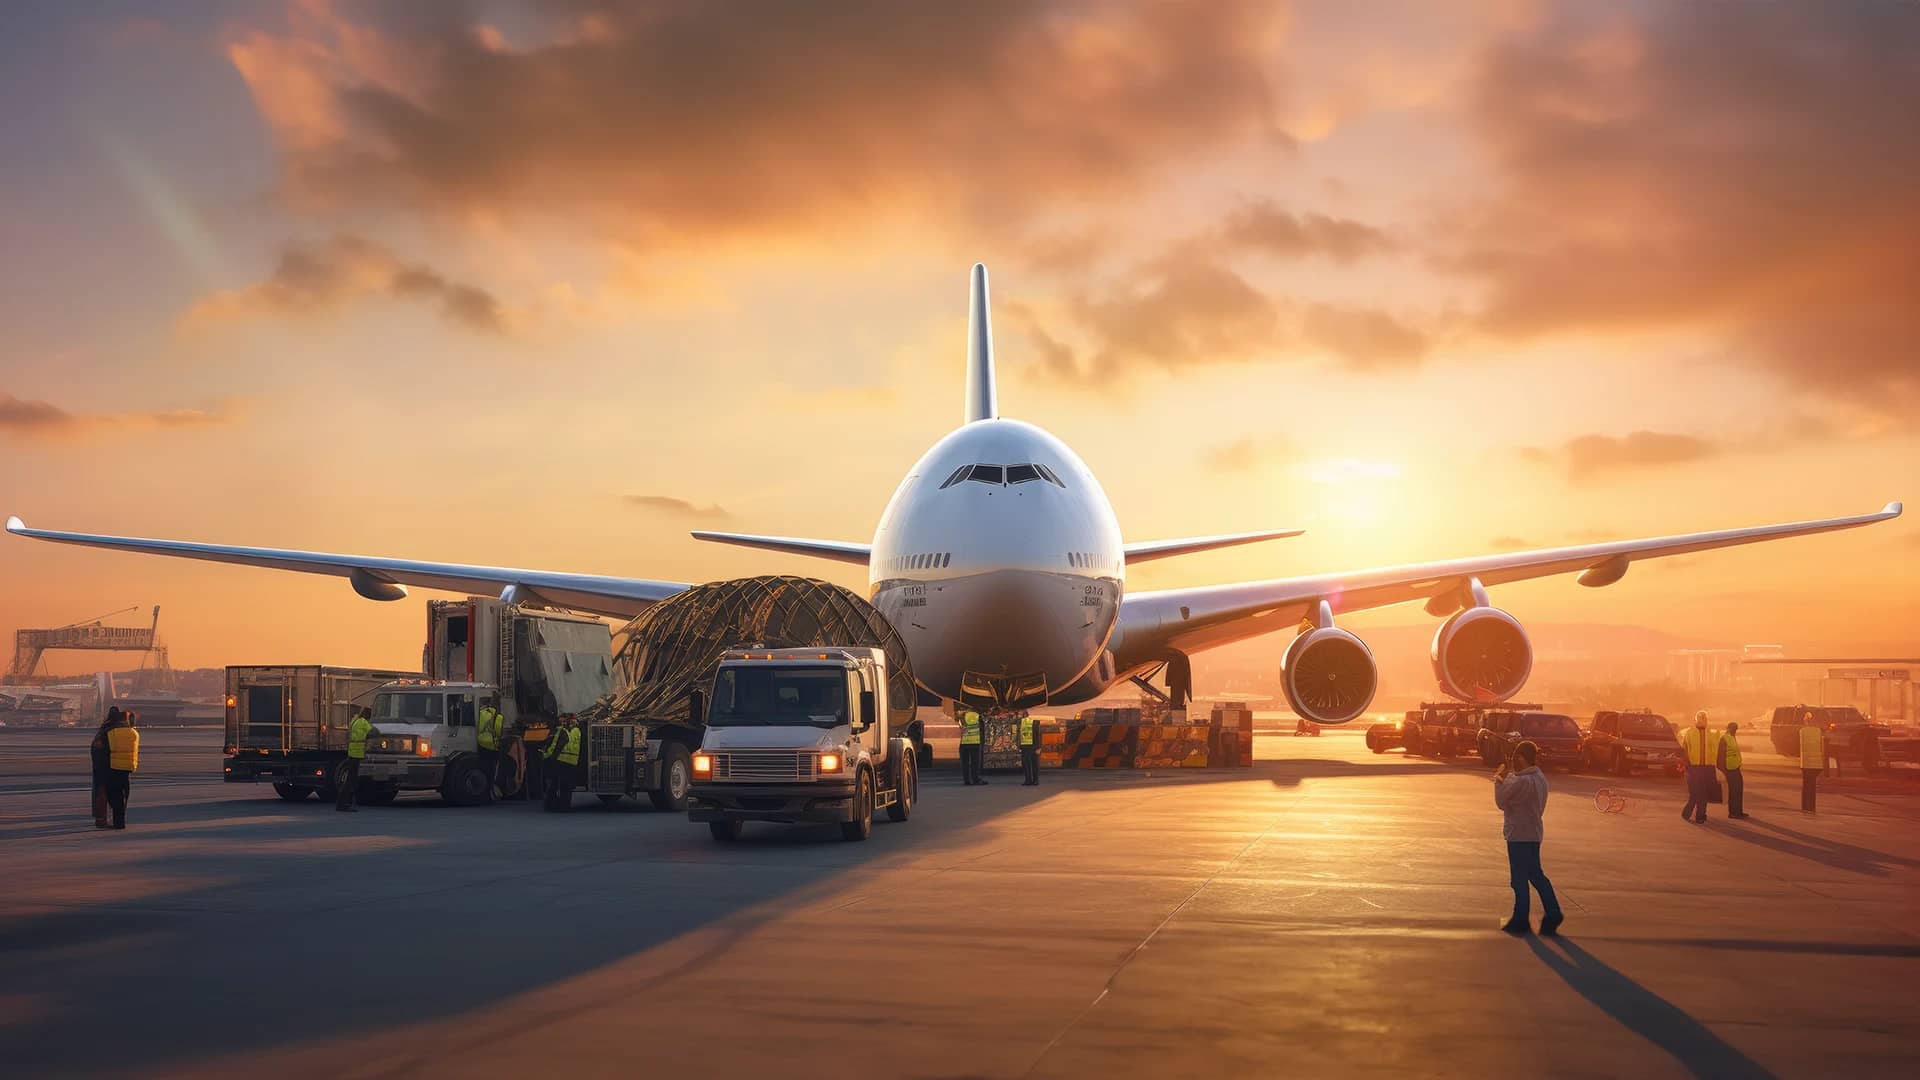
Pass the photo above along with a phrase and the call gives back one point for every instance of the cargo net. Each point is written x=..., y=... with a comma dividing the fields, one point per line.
x=673, y=648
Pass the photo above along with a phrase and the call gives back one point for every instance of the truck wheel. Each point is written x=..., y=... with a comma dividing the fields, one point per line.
x=377, y=794
x=726, y=832
x=291, y=792
x=902, y=807
x=676, y=779
x=467, y=784
x=861, y=826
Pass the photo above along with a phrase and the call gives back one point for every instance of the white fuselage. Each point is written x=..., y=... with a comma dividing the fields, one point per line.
x=1012, y=578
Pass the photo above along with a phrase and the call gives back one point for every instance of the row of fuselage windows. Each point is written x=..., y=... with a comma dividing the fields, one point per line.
x=1002, y=474
x=928, y=561
x=1085, y=560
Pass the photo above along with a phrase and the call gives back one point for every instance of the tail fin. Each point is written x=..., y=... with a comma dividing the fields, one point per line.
x=983, y=402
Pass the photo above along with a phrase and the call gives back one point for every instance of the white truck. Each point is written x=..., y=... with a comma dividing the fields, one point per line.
x=541, y=663
x=802, y=735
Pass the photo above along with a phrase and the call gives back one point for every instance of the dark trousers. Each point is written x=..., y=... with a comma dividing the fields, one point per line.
x=1699, y=792
x=1807, y=778
x=1736, y=791
x=970, y=763
x=349, y=783
x=560, y=783
x=1523, y=869
x=119, y=785
x=1030, y=763
x=102, y=813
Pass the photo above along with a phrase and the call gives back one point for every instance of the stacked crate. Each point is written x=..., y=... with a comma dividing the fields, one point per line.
x=1173, y=746
x=1231, y=735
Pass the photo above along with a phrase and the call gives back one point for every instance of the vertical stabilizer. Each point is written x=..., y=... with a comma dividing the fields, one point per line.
x=983, y=402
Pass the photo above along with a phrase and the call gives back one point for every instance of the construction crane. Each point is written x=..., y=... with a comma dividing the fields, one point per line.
x=91, y=635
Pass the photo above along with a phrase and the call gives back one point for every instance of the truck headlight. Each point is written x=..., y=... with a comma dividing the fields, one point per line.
x=829, y=762
x=424, y=748
x=703, y=765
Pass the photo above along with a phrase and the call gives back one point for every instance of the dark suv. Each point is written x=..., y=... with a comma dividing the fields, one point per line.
x=1444, y=729
x=1556, y=737
x=1851, y=737
x=1624, y=741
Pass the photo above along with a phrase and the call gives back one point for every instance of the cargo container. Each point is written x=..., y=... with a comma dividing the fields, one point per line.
x=287, y=723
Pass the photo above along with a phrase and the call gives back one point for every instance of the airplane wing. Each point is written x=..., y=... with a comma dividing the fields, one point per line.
x=1148, y=550
x=385, y=579
x=1200, y=618
x=837, y=550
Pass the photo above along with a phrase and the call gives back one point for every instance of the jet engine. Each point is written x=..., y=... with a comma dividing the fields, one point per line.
x=1328, y=675
x=1482, y=655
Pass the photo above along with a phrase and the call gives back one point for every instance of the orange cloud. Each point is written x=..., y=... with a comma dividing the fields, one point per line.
x=667, y=504
x=29, y=419
x=315, y=280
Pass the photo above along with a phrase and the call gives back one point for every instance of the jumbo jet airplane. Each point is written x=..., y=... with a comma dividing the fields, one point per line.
x=1000, y=562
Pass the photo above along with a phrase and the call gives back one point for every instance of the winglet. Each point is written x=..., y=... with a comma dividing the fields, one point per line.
x=983, y=401
x=1892, y=510
x=14, y=524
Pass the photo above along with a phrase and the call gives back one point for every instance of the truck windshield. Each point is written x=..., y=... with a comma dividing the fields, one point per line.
x=408, y=708
x=776, y=695
x=1646, y=727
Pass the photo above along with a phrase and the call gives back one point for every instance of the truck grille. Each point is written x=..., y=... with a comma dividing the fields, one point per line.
x=764, y=766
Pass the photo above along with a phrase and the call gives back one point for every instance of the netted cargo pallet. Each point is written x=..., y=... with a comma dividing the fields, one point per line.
x=1099, y=746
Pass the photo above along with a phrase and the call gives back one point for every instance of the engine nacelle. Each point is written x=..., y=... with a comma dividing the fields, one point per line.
x=1482, y=655
x=1328, y=675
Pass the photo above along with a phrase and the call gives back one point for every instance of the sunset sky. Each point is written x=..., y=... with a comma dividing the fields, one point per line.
x=548, y=284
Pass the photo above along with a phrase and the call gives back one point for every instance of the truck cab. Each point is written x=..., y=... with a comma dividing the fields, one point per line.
x=802, y=735
x=426, y=738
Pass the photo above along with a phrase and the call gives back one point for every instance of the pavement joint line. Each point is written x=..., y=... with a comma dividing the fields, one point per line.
x=1155, y=932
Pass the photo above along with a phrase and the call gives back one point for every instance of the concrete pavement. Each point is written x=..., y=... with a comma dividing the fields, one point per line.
x=1328, y=912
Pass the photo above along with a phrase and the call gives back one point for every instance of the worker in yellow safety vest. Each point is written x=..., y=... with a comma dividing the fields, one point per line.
x=489, y=735
x=1698, y=743
x=1813, y=759
x=123, y=757
x=970, y=748
x=357, y=733
x=1030, y=750
x=563, y=763
x=1730, y=765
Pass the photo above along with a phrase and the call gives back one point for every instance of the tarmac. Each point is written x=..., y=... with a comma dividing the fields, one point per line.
x=1328, y=912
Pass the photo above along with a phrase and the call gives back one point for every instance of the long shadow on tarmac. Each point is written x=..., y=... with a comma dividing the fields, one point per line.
x=299, y=926
x=1644, y=1012
x=1816, y=948
x=1849, y=857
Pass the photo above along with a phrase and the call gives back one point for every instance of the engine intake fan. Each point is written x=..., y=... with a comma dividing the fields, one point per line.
x=1328, y=675
x=1482, y=655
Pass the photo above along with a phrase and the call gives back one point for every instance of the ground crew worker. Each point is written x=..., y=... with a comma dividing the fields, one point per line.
x=1697, y=742
x=1030, y=751
x=1813, y=759
x=102, y=769
x=357, y=733
x=123, y=757
x=1730, y=765
x=565, y=764
x=492, y=726
x=970, y=749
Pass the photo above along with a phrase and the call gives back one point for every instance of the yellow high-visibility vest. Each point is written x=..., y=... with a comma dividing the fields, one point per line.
x=569, y=752
x=357, y=737
x=1733, y=751
x=123, y=747
x=1813, y=747
x=1698, y=743
x=1026, y=731
x=491, y=723
x=969, y=728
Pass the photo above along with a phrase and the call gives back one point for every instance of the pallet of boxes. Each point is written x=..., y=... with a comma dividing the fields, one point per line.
x=1123, y=738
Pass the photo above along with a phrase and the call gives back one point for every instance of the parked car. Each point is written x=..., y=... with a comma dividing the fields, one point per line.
x=1555, y=735
x=1442, y=729
x=1625, y=741
x=1852, y=739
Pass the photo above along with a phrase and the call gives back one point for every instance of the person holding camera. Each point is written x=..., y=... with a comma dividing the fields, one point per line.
x=1520, y=791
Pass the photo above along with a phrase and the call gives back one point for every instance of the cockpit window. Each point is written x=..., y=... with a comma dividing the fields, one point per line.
x=1023, y=473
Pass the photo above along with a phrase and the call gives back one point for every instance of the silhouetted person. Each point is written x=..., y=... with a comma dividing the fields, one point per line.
x=1522, y=796
x=123, y=757
x=1698, y=744
x=1730, y=765
x=102, y=769
x=1813, y=759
